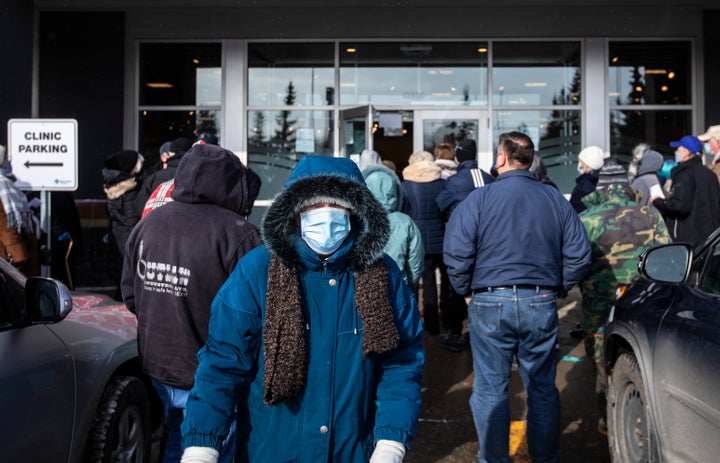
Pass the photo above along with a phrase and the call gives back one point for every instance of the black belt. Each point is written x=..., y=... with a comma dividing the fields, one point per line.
x=490, y=289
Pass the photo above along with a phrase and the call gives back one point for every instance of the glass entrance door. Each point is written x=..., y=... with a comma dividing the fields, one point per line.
x=432, y=127
x=356, y=131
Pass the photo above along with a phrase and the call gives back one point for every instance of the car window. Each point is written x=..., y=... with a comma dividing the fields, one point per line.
x=710, y=279
x=12, y=301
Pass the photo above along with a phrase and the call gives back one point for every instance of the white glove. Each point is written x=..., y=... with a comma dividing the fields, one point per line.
x=200, y=455
x=387, y=451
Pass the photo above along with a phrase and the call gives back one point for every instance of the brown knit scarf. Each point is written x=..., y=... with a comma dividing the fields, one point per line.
x=286, y=349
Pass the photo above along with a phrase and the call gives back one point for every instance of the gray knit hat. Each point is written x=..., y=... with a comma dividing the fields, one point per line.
x=612, y=172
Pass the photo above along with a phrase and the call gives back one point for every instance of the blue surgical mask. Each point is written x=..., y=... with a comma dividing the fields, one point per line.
x=678, y=156
x=579, y=169
x=706, y=147
x=324, y=229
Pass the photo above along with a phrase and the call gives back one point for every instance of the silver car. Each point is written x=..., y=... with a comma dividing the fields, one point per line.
x=71, y=386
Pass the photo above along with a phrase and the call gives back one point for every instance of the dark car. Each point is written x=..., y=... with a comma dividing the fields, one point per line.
x=71, y=386
x=662, y=354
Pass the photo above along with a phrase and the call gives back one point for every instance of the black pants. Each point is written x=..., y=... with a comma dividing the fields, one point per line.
x=451, y=305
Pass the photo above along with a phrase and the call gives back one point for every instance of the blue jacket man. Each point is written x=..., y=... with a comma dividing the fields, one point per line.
x=314, y=337
x=512, y=244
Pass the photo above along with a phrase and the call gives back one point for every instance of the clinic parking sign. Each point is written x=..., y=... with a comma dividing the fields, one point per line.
x=43, y=153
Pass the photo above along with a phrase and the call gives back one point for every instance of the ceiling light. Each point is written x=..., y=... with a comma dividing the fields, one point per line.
x=664, y=88
x=482, y=50
x=535, y=84
x=196, y=61
x=671, y=75
x=351, y=50
x=446, y=72
x=615, y=59
x=655, y=71
x=159, y=85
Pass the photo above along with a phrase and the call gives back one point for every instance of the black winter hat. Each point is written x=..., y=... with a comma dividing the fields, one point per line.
x=179, y=146
x=466, y=150
x=124, y=161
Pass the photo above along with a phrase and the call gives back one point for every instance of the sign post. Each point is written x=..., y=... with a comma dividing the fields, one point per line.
x=43, y=153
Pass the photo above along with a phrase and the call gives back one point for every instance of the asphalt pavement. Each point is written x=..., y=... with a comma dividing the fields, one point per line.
x=446, y=433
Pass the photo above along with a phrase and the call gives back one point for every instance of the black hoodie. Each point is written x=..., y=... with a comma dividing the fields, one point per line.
x=178, y=257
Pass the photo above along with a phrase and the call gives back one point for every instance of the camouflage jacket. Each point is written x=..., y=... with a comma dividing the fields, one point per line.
x=619, y=230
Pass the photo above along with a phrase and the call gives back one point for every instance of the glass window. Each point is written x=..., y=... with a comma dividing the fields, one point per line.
x=180, y=74
x=710, y=280
x=536, y=73
x=416, y=73
x=649, y=73
x=157, y=127
x=556, y=136
x=307, y=68
x=278, y=139
x=656, y=128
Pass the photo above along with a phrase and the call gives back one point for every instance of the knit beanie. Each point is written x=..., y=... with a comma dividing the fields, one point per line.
x=466, y=150
x=612, y=173
x=592, y=156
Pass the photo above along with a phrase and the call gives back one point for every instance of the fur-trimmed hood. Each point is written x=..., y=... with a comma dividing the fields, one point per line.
x=331, y=177
x=422, y=172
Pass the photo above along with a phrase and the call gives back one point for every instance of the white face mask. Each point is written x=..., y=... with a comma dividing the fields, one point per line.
x=324, y=229
x=580, y=170
x=678, y=156
x=708, y=150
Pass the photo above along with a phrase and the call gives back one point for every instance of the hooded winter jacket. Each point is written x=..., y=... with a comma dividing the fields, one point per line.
x=692, y=208
x=178, y=257
x=405, y=243
x=421, y=184
x=121, y=183
x=647, y=175
x=348, y=400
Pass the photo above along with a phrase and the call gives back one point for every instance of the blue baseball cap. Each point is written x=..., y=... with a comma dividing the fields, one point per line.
x=690, y=143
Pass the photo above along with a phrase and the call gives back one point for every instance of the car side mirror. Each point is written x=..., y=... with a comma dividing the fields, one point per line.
x=668, y=263
x=46, y=300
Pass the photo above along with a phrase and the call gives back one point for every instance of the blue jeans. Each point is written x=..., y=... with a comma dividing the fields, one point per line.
x=174, y=400
x=522, y=323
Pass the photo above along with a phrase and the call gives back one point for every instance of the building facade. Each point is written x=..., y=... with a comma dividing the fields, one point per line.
x=275, y=80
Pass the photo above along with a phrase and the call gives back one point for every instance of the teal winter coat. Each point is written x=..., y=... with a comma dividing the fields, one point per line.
x=348, y=401
x=405, y=244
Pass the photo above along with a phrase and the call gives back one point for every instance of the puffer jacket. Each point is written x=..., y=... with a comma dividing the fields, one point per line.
x=121, y=189
x=348, y=401
x=422, y=183
x=405, y=243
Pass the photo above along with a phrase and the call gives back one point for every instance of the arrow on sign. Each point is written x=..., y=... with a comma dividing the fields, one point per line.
x=43, y=164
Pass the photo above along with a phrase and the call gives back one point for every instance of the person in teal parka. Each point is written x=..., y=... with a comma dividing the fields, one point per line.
x=405, y=244
x=314, y=339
